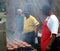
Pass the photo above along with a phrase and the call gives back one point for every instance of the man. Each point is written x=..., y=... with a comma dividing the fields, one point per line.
x=15, y=41
x=50, y=27
x=30, y=27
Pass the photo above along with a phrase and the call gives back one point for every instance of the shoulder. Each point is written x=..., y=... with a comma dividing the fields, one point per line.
x=32, y=17
x=53, y=18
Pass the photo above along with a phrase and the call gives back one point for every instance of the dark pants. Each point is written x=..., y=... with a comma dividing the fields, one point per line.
x=56, y=44
x=29, y=38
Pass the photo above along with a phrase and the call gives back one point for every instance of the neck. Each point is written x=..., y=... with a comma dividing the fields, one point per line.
x=20, y=15
x=51, y=13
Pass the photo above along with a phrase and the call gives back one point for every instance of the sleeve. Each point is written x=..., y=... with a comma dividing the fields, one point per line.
x=35, y=21
x=55, y=26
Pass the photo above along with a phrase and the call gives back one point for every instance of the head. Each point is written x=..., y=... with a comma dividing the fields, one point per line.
x=27, y=14
x=19, y=11
x=46, y=10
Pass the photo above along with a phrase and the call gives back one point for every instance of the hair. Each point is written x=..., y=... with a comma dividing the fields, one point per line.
x=19, y=10
x=46, y=10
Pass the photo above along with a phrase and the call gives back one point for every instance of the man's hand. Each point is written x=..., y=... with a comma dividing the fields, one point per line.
x=48, y=48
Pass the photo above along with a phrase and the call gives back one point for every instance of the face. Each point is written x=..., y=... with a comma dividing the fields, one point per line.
x=19, y=13
x=27, y=15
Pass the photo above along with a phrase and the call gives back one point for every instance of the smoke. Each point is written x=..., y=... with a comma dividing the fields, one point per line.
x=33, y=6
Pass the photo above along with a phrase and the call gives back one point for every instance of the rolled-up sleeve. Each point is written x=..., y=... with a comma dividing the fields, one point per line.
x=55, y=26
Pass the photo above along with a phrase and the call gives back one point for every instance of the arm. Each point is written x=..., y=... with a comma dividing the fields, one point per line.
x=37, y=29
x=36, y=24
x=54, y=25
